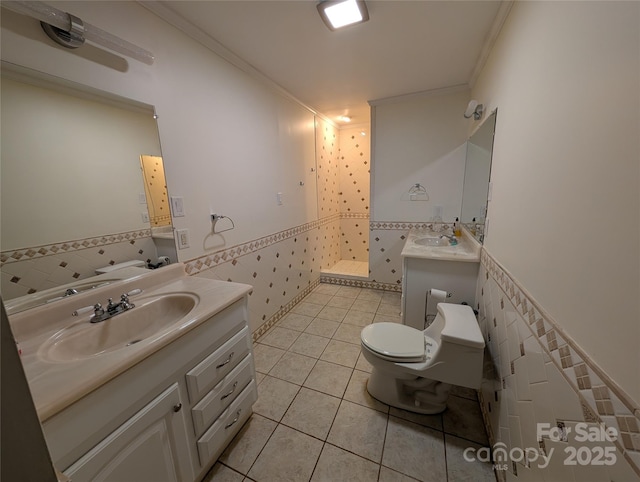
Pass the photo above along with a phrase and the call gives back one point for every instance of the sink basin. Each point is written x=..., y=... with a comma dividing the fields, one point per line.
x=85, y=340
x=432, y=241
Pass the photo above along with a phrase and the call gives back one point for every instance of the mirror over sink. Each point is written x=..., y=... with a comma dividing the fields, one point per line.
x=476, y=177
x=82, y=184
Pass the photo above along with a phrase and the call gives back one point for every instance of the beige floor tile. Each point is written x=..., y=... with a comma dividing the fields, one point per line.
x=247, y=444
x=332, y=313
x=367, y=306
x=265, y=357
x=431, y=421
x=336, y=464
x=322, y=327
x=312, y=412
x=288, y=456
x=309, y=345
x=388, y=475
x=358, y=318
x=349, y=291
x=274, y=397
x=370, y=295
x=459, y=469
x=463, y=418
x=359, y=430
x=295, y=321
x=340, y=302
x=390, y=310
x=415, y=451
x=464, y=392
x=280, y=337
x=342, y=353
x=389, y=318
x=220, y=473
x=391, y=297
x=329, y=378
x=326, y=288
x=293, y=368
x=305, y=308
x=348, y=333
x=318, y=298
x=357, y=392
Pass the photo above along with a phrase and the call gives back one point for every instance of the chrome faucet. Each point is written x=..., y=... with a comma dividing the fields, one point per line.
x=113, y=309
x=451, y=237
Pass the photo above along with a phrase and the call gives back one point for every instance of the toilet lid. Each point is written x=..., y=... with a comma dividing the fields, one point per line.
x=394, y=340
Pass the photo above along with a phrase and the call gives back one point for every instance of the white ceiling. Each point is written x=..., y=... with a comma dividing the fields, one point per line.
x=406, y=46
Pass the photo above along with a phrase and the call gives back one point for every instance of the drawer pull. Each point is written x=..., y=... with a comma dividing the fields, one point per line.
x=233, y=389
x=228, y=360
x=234, y=420
x=177, y=408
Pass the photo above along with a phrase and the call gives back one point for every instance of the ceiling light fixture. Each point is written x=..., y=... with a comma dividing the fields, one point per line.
x=341, y=13
x=345, y=118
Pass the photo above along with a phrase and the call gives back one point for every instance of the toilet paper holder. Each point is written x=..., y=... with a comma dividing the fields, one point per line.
x=432, y=298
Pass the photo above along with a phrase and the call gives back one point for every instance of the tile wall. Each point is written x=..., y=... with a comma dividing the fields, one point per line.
x=32, y=269
x=353, y=196
x=534, y=373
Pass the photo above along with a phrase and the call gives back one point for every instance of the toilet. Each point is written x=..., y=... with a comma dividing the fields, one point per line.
x=413, y=369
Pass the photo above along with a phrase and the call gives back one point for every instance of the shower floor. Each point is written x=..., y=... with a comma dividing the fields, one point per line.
x=347, y=267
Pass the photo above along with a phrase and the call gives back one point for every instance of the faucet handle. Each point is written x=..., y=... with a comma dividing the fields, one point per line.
x=83, y=310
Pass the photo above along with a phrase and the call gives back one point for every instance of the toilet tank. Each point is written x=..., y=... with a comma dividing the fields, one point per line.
x=127, y=264
x=460, y=353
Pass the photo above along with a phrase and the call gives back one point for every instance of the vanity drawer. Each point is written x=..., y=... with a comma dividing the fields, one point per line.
x=214, y=403
x=229, y=422
x=212, y=369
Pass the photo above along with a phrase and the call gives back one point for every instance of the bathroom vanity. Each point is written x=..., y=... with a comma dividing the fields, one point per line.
x=154, y=393
x=429, y=261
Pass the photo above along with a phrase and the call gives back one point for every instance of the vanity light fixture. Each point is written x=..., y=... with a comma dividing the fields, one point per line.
x=474, y=109
x=71, y=32
x=341, y=13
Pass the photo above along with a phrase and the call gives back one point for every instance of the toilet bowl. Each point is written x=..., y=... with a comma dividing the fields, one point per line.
x=414, y=370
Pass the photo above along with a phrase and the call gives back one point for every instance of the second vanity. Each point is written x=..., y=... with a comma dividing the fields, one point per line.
x=159, y=402
x=430, y=261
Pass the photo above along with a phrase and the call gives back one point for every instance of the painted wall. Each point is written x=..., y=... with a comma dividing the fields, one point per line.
x=558, y=306
x=230, y=144
x=419, y=139
x=416, y=139
x=565, y=170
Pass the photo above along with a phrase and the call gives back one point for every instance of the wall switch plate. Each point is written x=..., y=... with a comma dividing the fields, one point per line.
x=182, y=236
x=279, y=198
x=145, y=217
x=177, y=206
x=142, y=198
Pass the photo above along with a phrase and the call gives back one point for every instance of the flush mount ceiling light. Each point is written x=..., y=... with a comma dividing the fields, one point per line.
x=341, y=13
x=344, y=118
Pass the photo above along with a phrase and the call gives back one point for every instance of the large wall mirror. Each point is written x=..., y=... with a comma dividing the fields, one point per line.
x=477, y=173
x=82, y=182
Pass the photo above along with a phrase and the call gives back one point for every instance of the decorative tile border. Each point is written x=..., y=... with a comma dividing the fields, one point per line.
x=601, y=398
x=209, y=261
x=337, y=280
x=344, y=215
x=400, y=225
x=69, y=246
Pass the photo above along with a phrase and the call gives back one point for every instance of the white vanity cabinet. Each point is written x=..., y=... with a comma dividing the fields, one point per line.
x=157, y=434
x=167, y=418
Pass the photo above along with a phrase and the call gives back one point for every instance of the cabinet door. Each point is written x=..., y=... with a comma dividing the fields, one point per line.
x=150, y=446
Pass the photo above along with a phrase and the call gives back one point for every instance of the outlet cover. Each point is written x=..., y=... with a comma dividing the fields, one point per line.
x=182, y=236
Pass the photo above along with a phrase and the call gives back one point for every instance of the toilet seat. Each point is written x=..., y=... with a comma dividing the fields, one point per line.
x=394, y=342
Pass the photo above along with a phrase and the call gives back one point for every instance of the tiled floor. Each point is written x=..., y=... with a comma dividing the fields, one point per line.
x=314, y=420
x=349, y=268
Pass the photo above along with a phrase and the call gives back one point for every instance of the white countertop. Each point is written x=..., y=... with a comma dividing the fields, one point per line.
x=56, y=385
x=467, y=249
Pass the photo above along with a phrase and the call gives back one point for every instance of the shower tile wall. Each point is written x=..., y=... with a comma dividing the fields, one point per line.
x=353, y=197
x=535, y=374
x=32, y=269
